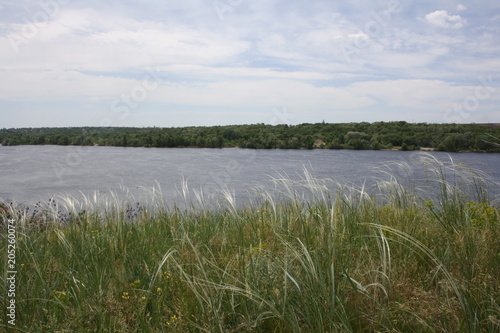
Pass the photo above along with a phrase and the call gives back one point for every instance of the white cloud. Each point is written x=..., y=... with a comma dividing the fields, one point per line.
x=89, y=40
x=211, y=73
x=461, y=7
x=406, y=61
x=59, y=84
x=410, y=93
x=442, y=19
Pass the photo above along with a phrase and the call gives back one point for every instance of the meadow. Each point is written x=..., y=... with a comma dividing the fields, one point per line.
x=396, y=258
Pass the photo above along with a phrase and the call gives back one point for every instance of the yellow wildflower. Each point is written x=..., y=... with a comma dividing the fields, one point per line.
x=61, y=295
x=135, y=284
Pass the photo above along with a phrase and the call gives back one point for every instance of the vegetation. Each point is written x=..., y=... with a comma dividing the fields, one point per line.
x=378, y=135
x=405, y=259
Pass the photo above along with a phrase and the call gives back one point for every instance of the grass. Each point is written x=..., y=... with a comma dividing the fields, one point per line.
x=397, y=258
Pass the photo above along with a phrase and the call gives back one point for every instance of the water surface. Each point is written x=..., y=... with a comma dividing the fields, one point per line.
x=37, y=173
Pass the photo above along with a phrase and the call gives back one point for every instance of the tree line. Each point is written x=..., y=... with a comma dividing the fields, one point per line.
x=364, y=135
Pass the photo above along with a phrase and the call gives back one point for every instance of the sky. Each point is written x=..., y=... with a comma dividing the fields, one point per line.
x=222, y=62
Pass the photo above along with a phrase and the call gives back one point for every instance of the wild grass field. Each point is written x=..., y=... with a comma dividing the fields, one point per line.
x=397, y=258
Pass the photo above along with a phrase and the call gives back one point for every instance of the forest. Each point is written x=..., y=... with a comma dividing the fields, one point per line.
x=359, y=136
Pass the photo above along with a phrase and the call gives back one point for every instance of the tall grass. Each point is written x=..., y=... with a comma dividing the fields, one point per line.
x=306, y=258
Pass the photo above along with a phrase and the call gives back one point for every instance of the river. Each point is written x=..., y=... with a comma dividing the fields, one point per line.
x=37, y=173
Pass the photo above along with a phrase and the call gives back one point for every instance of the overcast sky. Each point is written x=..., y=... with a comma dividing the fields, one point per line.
x=204, y=62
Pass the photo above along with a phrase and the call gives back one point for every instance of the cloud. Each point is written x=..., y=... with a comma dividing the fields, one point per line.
x=442, y=19
x=410, y=93
x=60, y=85
x=260, y=55
x=90, y=40
x=211, y=73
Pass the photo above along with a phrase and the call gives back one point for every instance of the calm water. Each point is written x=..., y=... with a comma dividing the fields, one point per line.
x=37, y=173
